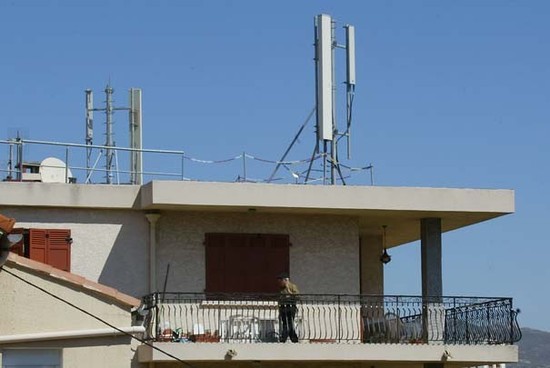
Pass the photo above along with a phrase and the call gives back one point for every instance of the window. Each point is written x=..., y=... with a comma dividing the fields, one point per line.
x=50, y=246
x=247, y=263
x=27, y=358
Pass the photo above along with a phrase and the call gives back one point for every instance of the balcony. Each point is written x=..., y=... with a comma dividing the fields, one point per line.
x=485, y=328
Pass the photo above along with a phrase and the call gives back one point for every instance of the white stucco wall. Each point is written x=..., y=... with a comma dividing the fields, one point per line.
x=27, y=310
x=109, y=246
x=324, y=256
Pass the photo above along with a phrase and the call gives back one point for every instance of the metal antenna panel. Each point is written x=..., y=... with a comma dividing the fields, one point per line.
x=328, y=134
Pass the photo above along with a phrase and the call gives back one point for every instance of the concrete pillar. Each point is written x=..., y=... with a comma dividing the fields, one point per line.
x=371, y=269
x=433, y=311
x=430, y=238
x=152, y=218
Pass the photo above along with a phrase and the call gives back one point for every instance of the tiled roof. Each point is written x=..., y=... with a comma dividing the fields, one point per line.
x=71, y=278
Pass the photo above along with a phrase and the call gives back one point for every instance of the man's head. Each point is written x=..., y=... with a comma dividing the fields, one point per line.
x=283, y=279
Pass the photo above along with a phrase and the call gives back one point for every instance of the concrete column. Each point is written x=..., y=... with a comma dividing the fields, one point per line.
x=152, y=218
x=433, y=311
x=371, y=269
x=430, y=238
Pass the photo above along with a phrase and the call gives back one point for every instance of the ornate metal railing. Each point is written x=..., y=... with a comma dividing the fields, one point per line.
x=254, y=318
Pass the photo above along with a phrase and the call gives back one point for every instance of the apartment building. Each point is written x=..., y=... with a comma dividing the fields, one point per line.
x=204, y=257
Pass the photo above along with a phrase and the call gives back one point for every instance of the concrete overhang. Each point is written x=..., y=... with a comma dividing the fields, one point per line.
x=457, y=355
x=59, y=195
x=400, y=208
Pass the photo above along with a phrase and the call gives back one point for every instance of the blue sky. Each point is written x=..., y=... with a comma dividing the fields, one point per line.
x=449, y=94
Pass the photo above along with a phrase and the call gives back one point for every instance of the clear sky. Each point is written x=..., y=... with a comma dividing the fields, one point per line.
x=449, y=94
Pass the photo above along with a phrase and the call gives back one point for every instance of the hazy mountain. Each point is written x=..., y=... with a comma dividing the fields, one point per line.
x=534, y=349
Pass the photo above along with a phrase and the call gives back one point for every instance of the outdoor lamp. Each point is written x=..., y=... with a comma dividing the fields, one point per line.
x=385, y=257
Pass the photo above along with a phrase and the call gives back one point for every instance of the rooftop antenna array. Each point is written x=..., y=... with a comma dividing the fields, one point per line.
x=328, y=134
x=135, y=129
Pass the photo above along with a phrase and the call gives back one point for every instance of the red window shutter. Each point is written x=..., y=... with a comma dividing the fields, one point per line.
x=59, y=249
x=38, y=245
x=51, y=247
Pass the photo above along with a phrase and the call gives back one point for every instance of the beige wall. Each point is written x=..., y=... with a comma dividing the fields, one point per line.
x=43, y=313
x=27, y=310
x=109, y=246
x=324, y=256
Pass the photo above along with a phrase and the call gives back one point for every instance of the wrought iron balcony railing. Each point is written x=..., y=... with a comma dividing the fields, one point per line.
x=254, y=318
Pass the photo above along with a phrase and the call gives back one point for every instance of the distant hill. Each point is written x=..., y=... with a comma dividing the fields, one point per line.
x=534, y=349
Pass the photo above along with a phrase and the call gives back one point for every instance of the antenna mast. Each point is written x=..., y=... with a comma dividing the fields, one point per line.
x=135, y=114
x=325, y=85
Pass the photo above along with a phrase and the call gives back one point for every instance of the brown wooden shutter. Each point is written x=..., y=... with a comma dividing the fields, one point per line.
x=246, y=263
x=59, y=249
x=38, y=245
x=215, y=261
x=51, y=247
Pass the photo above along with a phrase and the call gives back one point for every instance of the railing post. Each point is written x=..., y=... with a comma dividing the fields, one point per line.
x=338, y=324
x=157, y=315
x=66, y=164
x=467, y=325
x=488, y=322
x=454, y=320
x=244, y=166
x=512, y=317
x=398, y=321
x=182, y=166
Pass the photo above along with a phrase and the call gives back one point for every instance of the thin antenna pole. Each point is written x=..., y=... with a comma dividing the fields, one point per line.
x=19, y=151
x=109, y=133
x=333, y=146
x=10, y=162
x=89, y=128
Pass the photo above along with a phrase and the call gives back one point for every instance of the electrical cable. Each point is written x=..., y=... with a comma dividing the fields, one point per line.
x=96, y=317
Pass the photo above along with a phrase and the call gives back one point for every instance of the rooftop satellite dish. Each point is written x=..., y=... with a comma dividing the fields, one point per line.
x=54, y=170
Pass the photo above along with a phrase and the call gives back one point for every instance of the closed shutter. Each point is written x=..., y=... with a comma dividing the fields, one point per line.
x=38, y=245
x=247, y=263
x=215, y=261
x=59, y=249
x=51, y=247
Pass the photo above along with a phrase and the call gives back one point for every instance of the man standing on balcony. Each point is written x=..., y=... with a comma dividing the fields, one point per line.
x=287, y=308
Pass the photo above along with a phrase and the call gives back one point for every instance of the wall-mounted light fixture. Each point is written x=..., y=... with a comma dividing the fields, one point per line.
x=385, y=257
